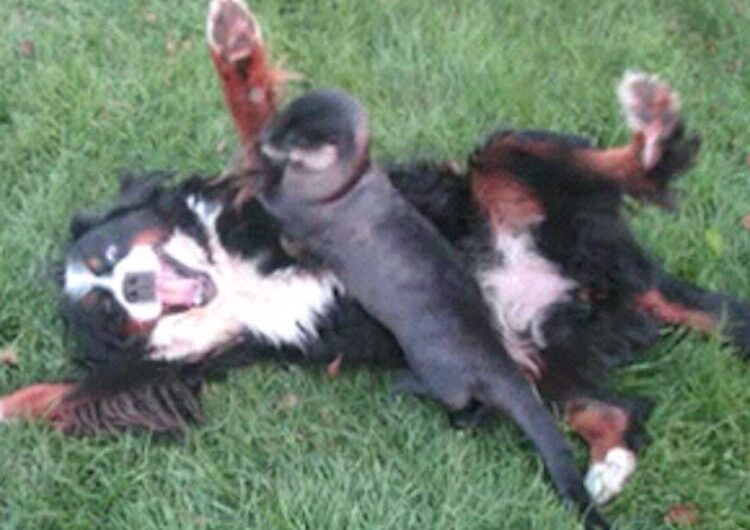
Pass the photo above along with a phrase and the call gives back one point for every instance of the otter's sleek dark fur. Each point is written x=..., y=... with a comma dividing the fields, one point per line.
x=402, y=271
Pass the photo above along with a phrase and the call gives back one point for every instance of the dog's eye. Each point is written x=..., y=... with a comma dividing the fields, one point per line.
x=111, y=255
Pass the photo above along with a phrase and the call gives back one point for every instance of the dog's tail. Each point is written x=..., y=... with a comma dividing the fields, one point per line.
x=674, y=301
x=131, y=396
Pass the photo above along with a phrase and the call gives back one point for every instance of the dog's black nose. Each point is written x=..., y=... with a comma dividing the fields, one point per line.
x=139, y=287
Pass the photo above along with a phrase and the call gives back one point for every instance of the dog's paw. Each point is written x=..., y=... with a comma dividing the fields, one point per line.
x=652, y=109
x=607, y=478
x=653, y=113
x=231, y=30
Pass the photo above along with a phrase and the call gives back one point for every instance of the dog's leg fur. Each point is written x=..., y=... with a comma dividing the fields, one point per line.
x=675, y=302
x=657, y=152
x=127, y=396
x=251, y=87
x=613, y=431
x=42, y=401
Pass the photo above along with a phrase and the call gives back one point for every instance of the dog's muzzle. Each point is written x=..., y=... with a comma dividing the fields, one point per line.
x=139, y=287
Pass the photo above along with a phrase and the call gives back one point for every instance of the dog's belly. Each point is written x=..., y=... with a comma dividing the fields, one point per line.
x=520, y=291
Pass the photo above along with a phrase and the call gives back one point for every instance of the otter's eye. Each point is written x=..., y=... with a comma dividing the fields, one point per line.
x=111, y=255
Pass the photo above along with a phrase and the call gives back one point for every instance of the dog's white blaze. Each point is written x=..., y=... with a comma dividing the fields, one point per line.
x=607, y=478
x=283, y=307
x=519, y=292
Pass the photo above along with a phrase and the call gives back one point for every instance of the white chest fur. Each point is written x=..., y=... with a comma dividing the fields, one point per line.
x=281, y=308
x=519, y=292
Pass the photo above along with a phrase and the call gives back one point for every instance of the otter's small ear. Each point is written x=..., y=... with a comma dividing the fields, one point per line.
x=316, y=159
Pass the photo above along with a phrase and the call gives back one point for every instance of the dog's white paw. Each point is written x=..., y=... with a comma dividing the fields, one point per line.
x=607, y=478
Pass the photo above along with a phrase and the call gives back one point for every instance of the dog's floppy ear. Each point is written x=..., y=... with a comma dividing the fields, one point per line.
x=129, y=396
x=136, y=189
x=82, y=223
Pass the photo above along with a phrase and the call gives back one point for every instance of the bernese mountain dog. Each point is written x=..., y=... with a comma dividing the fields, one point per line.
x=175, y=282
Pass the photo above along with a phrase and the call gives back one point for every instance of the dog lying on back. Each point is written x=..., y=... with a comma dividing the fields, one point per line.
x=172, y=282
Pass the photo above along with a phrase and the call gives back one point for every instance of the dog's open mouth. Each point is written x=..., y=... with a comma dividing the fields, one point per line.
x=179, y=288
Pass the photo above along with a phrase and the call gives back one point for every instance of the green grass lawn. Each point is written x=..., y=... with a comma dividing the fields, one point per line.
x=129, y=84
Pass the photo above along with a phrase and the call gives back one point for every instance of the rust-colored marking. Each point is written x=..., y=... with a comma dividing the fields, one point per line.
x=655, y=303
x=95, y=265
x=618, y=164
x=39, y=401
x=507, y=202
x=602, y=425
x=133, y=328
x=334, y=367
x=251, y=87
x=91, y=299
x=621, y=165
x=148, y=237
x=497, y=191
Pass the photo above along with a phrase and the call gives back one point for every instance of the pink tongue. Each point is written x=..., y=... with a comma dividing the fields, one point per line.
x=174, y=290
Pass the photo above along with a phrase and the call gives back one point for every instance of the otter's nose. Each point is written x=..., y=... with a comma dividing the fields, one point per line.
x=139, y=287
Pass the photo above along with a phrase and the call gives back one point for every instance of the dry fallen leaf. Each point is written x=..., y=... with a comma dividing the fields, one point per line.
x=333, y=368
x=170, y=46
x=9, y=357
x=734, y=66
x=746, y=221
x=288, y=401
x=26, y=48
x=682, y=515
x=150, y=17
